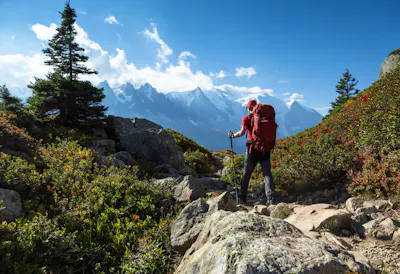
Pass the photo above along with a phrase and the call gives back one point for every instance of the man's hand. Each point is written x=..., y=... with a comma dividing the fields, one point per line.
x=230, y=134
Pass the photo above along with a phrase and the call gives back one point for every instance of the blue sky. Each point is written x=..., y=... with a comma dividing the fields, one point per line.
x=297, y=49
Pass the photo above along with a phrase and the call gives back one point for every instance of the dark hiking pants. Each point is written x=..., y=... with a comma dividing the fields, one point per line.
x=250, y=162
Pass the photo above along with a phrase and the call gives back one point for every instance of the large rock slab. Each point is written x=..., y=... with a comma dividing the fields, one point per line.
x=389, y=64
x=243, y=242
x=319, y=216
x=187, y=226
x=146, y=141
x=103, y=147
x=10, y=205
x=189, y=189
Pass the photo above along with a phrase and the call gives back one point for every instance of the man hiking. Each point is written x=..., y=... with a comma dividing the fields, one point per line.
x=261, y=130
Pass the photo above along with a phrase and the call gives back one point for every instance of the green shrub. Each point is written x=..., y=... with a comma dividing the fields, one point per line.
x=94, y=219
x=187, y=144
x=232, y=166
x=199, y=161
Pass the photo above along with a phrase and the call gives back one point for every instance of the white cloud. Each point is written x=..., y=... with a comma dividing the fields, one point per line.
x=119, y=36
x=112, y=20
x=187, y=54
x=221, y=74
x=164, y=51
x=17, y=70
x=294, y=97
x=13, y=37
x=44, y=33
x=255, y=89
x=287, y=94
x=82, y=12
x=245, y=72
x=283, y=81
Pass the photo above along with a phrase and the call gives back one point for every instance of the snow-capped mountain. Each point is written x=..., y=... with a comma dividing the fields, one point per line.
x=300, y=117
x=205, y=116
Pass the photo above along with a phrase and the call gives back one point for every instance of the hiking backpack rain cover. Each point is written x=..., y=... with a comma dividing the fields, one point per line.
x=263, y=136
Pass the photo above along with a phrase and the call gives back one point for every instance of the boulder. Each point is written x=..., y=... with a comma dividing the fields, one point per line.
x=146, y=141
x=125, y=157
x=99, y=133
x=366, y=210
x=189, y=189
x=168, y=183
x=103, y=147
x=211, y=183
x=261, y=209
x=382, y=205
x=224, y=201
x=241, y=242
x=165, y=169
x=383, y=230
x=319, y=216
x=10, y=205
x=187, y=170
x=389, y=63
x=281, y=210
x=187, y=226
x=353, y=203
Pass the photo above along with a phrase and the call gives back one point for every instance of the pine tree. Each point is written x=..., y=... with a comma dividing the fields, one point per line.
x=346, y=89
x=62, y=97
x=9, y=103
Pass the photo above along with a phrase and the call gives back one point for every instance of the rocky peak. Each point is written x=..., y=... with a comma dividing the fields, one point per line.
x=390, y=63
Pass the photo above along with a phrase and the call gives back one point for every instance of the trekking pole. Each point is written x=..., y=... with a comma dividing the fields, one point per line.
x=234, y=170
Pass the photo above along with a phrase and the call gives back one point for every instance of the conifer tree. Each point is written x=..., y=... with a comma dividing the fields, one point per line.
x=346, y=89
x=62, y=96
x=9, y=103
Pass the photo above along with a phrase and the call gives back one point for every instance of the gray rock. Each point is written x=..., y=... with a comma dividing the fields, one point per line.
x=187, y=170
x=188, y=225
x=389, y=64
x=382, y=205
x=125, y=157
x=383, y=230
x=10, y=206
x=189, y=189
x=211, y=183
x=319, y=216
x=243, y=242
x=261, y=209
x=366, y=210
x=147, y=141
x=377, y=216
x=103, y=147
x=396, y=236
x=99, y=133
x=353, y=203
x=224, y=201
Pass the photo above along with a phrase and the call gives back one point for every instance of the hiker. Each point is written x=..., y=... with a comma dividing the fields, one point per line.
x=257, y=152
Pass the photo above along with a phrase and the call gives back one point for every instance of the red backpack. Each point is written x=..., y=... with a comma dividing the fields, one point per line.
x=264, y=128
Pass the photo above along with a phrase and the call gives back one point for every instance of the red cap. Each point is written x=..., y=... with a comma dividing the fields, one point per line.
x=251, y=102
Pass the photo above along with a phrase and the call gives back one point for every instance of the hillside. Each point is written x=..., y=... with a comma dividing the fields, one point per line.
x=356, y=146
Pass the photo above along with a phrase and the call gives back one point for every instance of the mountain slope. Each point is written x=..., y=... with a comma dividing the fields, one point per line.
x=294, y=118
x=357, y=146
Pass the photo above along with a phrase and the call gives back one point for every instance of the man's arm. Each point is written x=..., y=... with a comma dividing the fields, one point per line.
x=240, y=133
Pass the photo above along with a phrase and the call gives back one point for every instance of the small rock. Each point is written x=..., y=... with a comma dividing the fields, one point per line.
x=376, y=263
x=377, y=216
x=281, y=211
x=366, y=210
x=261, y=209
x=353, y=203
x=368, y=203
x=382, y=205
